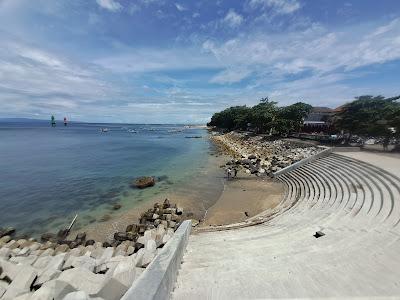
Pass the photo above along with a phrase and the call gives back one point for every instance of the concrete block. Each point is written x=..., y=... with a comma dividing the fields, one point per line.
x=82, y=279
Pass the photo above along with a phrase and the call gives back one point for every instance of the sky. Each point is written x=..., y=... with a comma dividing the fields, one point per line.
x=160, y=61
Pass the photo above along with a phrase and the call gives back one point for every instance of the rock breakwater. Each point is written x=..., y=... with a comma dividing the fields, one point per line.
x=258, y=155
x=58, y=268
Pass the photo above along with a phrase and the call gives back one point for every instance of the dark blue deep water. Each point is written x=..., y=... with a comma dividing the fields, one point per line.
x=47, y=175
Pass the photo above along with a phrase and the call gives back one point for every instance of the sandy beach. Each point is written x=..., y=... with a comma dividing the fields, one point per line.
x=242, y=198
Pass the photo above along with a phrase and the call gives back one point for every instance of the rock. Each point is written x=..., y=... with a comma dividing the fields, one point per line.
x=82, y=279
x=120, y=236
x=175, y=218
x=106, y=256
x=131, y=228
x=26, y=260
x=130, y=250
x=139, y=256
x=138, y=246
x=21, y=283
x=106, y=244
x=146, y=259
x=52, y=269
x=143, y=182
x=171, y=224
x=62, y=249
x=139, y=271
x=35, y=246
x=195, y=223
x=47, y=275
x=47, y=245
x=6, y=231
x=166, y=204
x=89, y=243
x=48, y=252
x=5, y=253
x=25, y=296
x=5, y=239
x=42, y=262
x=12, y=245
x=79, y=295
x=85, y=262
x=97, y=252
x=119, y=280
x=54, y=289
x=151, y=246
x=48, y=237
x=81, y=236
x=9, y=270
x=116, y=206
x=3, y=288
x=179, y=211
x=170, y=210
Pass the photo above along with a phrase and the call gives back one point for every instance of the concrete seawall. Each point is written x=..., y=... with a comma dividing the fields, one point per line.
x=158, y=280
x=304, y=161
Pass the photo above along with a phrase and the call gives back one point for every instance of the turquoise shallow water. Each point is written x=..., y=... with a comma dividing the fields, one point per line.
x=50, y=174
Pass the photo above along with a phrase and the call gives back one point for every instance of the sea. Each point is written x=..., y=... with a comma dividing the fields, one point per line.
x=50, y=174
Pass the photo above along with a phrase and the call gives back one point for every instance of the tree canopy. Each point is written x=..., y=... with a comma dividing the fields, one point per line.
x=369, y=115
x=263, y=117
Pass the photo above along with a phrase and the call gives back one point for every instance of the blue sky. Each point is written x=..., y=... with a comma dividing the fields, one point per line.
x=159, y=61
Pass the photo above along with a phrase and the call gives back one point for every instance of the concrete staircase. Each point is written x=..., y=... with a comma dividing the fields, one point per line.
x=355, y=204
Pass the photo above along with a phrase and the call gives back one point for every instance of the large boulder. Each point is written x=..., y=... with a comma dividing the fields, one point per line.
x=83, y=280
x=21, y=284
x=143, y=182
x=54, y=289
x=118, y=280
x=6, y=231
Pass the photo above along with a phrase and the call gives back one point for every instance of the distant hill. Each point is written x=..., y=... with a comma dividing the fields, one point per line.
x=22, y=120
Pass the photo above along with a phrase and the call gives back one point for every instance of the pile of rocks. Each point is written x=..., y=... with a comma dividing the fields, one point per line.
x=258, y=155
x=84, y=269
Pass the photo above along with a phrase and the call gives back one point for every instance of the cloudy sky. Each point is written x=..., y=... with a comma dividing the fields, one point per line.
x=161, y=61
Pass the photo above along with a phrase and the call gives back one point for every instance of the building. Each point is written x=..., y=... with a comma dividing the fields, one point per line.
x=318, y=119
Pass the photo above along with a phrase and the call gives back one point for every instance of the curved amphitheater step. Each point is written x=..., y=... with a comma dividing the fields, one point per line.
x=354, y=203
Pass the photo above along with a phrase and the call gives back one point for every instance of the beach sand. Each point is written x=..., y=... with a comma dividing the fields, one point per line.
x=246, y=195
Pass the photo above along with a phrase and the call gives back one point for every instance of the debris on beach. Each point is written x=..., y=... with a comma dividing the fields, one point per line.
x=143, y=182
x=57, y=267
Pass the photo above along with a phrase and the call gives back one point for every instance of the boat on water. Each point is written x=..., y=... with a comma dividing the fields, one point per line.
x=103, y=129
x=132, y=131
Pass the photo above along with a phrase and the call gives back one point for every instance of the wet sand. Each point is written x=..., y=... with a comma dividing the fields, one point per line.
x=243, y=198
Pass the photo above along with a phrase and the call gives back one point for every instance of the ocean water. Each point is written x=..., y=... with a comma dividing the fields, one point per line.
x=47, y=175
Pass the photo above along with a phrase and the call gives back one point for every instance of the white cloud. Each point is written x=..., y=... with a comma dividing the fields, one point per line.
x=196, y=15
x=110, y=5
x=231, y=75
x=180, y=7
x=315, y=49
x=150, y=60
x=279, y=6
x=232, y=19
x=33, y=80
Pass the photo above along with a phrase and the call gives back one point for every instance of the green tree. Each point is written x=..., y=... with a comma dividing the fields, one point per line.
x=369, y=115
x=290, y=118
x=263, y=115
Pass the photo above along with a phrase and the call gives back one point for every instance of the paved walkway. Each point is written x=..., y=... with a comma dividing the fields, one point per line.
x=356, y=206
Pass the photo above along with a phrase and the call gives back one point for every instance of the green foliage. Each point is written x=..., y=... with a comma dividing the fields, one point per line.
x=263, y=117
x=369, y=115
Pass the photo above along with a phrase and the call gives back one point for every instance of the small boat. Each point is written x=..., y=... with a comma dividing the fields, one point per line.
x=132, y=131
x=103, y=129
